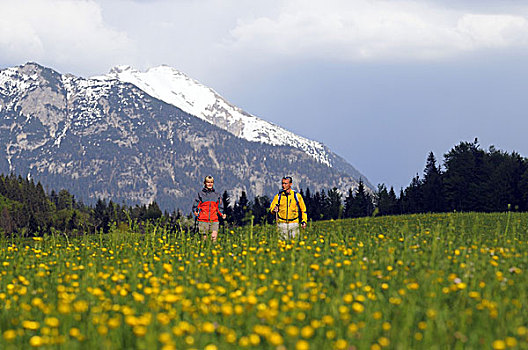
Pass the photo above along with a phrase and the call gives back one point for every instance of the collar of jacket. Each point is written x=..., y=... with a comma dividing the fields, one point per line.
x=205, y=189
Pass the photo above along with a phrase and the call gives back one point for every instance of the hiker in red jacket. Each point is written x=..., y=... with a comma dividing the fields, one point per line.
x=207, y=208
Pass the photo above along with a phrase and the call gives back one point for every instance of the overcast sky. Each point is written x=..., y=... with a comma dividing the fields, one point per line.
x=381, y=83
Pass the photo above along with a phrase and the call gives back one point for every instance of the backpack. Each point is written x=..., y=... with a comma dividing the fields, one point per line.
x=299, y=214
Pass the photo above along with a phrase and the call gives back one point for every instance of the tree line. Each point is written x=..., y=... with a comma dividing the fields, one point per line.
x=470, y=179
x=26, y=209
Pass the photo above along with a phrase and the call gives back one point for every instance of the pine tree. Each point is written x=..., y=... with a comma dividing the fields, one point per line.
x=432, y=187
x=241, y=209
x=260, y=209
x=349, y=204
x=228, y=210
x=334, y=204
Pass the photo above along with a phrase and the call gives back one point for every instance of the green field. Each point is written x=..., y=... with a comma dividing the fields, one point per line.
x=423, y=281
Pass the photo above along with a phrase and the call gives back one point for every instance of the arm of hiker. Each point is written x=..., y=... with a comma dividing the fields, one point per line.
x=221, y=208
x=274, y=207
x=196, y=205
x=304, y=216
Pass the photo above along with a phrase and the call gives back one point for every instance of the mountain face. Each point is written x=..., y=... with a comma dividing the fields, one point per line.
x=138, y=137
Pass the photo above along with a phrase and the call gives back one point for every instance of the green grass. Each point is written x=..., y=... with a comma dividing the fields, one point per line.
x=421, y=281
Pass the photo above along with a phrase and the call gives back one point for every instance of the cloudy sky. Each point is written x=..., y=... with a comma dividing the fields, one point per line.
x=381, y=82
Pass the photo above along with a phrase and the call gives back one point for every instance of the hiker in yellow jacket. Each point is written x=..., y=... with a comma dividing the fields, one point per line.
x=288, y=207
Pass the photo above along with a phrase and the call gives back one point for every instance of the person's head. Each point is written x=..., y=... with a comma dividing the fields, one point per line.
x=286, y=183
x=209, y=182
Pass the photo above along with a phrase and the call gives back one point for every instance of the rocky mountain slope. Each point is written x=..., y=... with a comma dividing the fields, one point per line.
x=107, y=138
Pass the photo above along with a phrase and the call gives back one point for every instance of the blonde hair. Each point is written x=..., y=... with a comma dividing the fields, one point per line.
x=208, y=178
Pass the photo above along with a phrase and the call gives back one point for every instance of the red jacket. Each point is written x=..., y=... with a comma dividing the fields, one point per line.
x=209, y=205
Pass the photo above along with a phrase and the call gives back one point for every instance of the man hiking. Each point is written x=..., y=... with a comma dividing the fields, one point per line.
x=207, y=208
x=289, y=208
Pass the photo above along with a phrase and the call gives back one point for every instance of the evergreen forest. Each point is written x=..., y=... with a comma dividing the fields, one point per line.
x=470, y=179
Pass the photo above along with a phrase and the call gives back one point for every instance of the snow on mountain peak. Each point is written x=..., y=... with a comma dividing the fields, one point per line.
x=174, y=87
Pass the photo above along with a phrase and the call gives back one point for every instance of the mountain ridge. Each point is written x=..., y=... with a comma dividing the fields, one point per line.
x=105, y=138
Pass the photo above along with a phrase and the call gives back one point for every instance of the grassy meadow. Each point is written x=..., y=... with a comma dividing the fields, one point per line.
x=435, y=281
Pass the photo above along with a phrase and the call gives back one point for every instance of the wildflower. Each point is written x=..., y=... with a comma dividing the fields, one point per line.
x=275, y=339
x=208, y=327
x=10, y=334
x=307, y=332
x=254, y=339
x=51, y=322
x=302, y=345
x=384, y=342
x=341, y=344
x=75, y=332
x=499, y=344
x=31, y=325
x=140, y=331
x=102, y=330
x=358, y=307
x=292, y=331
x=511, y=342
x=36, y=341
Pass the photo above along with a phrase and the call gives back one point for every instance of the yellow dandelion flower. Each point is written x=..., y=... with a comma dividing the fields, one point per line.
x=384, y=342
x=292, y=331
x=52, y=322
x=163, y=318
x=341, y=344
x=31, y=325
x=80, y=306
x=167, y=268
x=10, y=334
x=358, y=307
x=307, y=332
x=75, y=332
x=243, y=342
x=353, y=328
x=275, y=339
x=302, y=345
x=254, y=339
x=511, y=342
x=208, y=327
x=102, y=330
x=139, y=331
x=348, y=298
x=36, y=341
x=499, y=344
x=114, y=322
x=231, y=337
x=165, y=338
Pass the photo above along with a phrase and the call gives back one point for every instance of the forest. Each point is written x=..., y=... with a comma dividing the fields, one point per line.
x=470, y=179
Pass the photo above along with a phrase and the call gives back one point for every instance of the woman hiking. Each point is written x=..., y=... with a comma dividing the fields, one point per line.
x=207, y=208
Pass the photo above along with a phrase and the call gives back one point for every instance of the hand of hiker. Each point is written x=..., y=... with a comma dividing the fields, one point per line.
x=195, y=213
x=303, y=225
x=224, y=216
x=276, y=209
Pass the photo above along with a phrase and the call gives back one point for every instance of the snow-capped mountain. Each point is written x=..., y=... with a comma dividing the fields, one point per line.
x=176, y=88
x=107, y=138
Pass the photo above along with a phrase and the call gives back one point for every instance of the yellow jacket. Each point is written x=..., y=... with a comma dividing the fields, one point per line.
x=288, y=210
